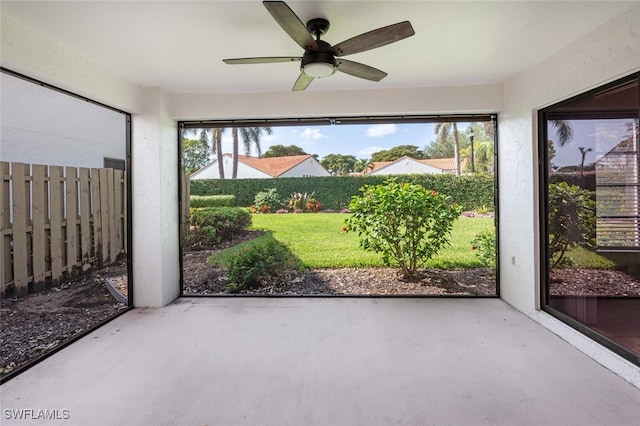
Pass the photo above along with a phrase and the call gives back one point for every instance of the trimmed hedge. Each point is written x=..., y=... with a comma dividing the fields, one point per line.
x=200, y=201
x=211, y=225
x=335, y=192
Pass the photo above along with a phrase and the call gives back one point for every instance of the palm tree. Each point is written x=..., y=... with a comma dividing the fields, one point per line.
x=361, y=165
x=250, y=137
x=564, y=130
x=215, y=136
x=443, y=130
x=583, y=152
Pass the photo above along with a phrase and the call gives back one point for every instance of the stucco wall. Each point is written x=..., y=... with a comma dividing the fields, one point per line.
x=406, y=166
x=309, y=167
x=44, y=126
x=607, y=53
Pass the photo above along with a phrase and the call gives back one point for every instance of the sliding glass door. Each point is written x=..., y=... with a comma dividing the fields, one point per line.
x=591, y=217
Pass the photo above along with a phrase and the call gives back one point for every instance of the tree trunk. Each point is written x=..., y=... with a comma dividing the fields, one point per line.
x=219, y=156
x=234, y=133
x=456, y=148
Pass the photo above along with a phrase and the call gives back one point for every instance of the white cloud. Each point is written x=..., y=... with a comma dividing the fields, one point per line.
x=379, y=130
x=313, y=134
x=368, y=151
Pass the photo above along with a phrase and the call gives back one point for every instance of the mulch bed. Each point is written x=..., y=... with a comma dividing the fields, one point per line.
x=36, y=324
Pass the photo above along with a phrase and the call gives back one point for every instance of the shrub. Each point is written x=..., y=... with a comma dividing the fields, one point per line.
x=571, y=221
x=267, y=201
x=335, y=192
x=200, y=201
x=313, y=205
x=212, y=225
x=484, y=246
x=298, y=200
x=263, y=259
x=406, y=223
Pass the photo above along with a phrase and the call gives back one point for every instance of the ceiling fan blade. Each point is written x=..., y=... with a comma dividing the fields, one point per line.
x=302, y=82
x=290, y=22
x=262, y=60
x=372, y=39
x=357, y=69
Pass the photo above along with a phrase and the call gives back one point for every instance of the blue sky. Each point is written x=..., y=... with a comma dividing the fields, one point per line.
x=359, y=140
x=601, y=135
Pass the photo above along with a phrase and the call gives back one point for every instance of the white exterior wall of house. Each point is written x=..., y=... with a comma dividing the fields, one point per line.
x=405, y=166
x=607, y=53
x=210, y=171
x=43, y=126
x=309, y=167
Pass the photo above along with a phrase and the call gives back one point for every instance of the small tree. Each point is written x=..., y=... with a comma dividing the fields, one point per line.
x=572, y=218
x=405, y=222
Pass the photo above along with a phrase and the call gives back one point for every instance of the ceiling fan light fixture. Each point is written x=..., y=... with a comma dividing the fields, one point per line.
x=318, y=64
x=319, y=69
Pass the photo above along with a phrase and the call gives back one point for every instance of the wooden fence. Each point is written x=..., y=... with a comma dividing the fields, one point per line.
x=57, y=222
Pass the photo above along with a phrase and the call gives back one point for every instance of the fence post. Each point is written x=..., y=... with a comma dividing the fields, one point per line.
x=6, y=271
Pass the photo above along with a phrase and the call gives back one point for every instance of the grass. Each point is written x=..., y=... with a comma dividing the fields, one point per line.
x=584, y=258
x=318, y=241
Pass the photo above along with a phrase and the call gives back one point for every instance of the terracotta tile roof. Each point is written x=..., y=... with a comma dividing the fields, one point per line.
x=273, y=166
x=441, y=163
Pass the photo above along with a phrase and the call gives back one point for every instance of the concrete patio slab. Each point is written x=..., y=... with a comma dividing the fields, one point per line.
x=322, y=361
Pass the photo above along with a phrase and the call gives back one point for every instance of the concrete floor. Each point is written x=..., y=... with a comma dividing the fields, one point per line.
x=304, y=361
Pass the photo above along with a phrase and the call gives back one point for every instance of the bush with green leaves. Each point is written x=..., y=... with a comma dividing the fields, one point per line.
x=571, y=220
x=335, y=192
x=406, y=223
x=200, y=201
x=211, y=225
x=298, y=200
x=484, y=246
x=267, y=201
x=258, y=261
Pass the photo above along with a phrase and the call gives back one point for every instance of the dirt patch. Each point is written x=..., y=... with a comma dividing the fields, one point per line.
x=36, y=324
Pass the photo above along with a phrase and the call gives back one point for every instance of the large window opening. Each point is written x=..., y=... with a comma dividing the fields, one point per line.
x=591, y=214
x=65, y=228
x=289, y=186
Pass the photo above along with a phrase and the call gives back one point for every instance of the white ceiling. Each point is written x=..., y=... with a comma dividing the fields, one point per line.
x=179, y=45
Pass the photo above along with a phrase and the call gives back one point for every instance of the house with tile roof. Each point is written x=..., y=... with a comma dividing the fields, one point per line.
x=264, y=168
x=407, y=165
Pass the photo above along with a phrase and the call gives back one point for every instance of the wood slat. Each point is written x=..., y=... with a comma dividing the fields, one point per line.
x=57, y=212
x=40, y=214
x=21, y=195
x=113, y=247
x=117, y=229
x=6, y=269
x=104, y=214
x=71, y=210
x=96, y=217
x=85, y=219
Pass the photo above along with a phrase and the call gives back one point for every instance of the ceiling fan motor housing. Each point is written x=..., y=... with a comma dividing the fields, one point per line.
x=321, y=60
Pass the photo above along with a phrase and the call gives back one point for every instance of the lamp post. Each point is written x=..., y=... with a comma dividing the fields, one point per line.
x=471, y=135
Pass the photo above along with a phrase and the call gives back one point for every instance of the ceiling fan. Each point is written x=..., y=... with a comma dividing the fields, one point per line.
x=320, y=59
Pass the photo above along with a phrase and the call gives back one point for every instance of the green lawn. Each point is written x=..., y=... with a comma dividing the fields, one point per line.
x=318, y=241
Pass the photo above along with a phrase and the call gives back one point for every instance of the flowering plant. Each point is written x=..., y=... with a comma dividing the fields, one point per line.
x=484, y=246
